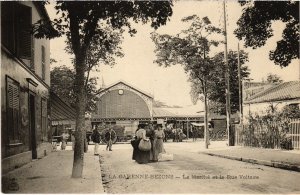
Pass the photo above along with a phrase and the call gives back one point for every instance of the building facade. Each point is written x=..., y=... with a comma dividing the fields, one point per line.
x=123, y=105
x=266, y=100
x=25, y=84
x=277, y=96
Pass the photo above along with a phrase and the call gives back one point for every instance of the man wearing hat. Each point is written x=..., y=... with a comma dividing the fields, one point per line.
x=110, y=135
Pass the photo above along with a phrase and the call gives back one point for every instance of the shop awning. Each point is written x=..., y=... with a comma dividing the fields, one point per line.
x=61, y=112
x=198, y=124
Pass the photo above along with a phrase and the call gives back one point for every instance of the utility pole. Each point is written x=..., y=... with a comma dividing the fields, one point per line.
x=228, y=109
x=206, y=132
x=240, y=92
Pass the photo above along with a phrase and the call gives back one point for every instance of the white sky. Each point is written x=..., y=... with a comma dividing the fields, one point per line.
x=170, y=84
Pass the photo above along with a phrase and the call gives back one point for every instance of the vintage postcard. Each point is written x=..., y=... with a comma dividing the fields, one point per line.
x=150, y=97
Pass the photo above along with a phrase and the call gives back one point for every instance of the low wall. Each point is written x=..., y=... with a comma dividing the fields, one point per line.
x=18, y=160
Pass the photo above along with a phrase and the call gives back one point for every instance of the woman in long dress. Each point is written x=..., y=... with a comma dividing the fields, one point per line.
x=140, y=156
x=158, y=146
x=64, y=138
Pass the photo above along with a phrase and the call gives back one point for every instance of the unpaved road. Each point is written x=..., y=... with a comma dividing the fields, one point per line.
x=191, y=172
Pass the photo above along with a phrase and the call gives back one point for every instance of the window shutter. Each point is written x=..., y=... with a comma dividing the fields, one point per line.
x=10, y=95
x=10, y=112
x=7, y=25
x=13, y=110
x=24, y=37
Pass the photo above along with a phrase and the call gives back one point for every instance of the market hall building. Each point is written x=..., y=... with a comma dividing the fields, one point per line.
x=123, y=105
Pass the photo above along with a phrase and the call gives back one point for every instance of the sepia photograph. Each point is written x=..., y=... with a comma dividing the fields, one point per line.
x=150, y=97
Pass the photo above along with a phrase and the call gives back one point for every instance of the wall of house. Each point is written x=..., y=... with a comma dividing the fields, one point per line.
x=260, y=108
x=14, y=155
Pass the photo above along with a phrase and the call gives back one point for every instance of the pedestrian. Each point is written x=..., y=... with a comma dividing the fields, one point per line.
x=141, y=157
x=177, y=131
x=64, y=138
x=195, y=134
x=158, y=146
x=96, y=138
x=110, y=136
x=150, y=134
x=166, y=134
x=175, y=135
x=180, y=134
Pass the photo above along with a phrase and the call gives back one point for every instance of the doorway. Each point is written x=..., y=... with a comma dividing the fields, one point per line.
x=32, y=125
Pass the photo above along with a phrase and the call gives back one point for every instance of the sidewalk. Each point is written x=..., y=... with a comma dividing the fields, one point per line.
x=283, y=159
x=52, y=174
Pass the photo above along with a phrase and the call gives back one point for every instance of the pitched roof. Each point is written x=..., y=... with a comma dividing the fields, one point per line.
x=282, y=92
x=189, y=111
x=161, y=112
x=128, y=85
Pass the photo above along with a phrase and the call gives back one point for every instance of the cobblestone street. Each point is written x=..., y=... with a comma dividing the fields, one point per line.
x=191, y=172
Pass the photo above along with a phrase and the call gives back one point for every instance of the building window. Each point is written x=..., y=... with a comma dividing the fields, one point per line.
x=44, y=119
x=13, y=110
x=16, y=30
x=43, y=63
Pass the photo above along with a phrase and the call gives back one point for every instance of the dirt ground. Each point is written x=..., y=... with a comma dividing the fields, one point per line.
x=190, y=172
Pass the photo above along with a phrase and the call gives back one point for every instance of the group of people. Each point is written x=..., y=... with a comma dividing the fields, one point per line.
x=155, y=137
x=109, y=137
x=178, y=135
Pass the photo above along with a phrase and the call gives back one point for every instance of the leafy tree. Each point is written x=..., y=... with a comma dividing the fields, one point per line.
x=255, y=27
x=291, y=111
x=190, y=48
x=274, y=78
x=217, y=89
x=82, y=22
x=62, y=84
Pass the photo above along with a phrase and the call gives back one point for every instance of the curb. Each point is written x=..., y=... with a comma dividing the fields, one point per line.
x=95, y=175
x=271, y=163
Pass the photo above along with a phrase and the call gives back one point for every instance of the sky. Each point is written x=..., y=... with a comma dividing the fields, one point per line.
x=170, y=84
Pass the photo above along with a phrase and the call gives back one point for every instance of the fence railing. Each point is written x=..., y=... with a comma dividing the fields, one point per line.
x=294, y=133
x=273, y=133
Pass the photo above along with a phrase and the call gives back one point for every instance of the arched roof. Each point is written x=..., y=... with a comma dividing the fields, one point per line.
x=129, y=105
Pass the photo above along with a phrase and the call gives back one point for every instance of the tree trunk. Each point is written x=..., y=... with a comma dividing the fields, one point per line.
x=79, y=89
x=206, y=133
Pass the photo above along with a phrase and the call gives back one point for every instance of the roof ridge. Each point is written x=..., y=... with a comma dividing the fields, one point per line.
x=129, y=85
x=263, y=92
x=278, y=91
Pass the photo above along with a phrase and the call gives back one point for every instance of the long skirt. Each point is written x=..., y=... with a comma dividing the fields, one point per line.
x=139, y=156
x=158, y=147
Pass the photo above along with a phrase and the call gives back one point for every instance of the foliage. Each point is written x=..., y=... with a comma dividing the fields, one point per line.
x=62, y=83
x=274, y=78
x=190, y=48
x=216, y=88
x=85, y=23
x=269, y=130
x=255, y=27
x=291, y=111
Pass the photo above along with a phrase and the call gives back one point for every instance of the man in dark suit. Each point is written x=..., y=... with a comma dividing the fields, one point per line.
x=110, y=136
x=96, y=138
